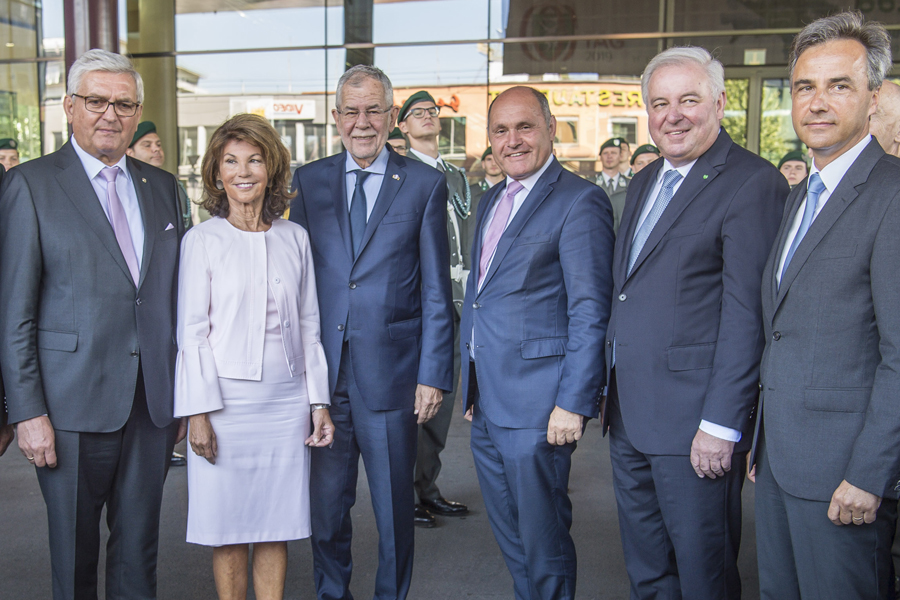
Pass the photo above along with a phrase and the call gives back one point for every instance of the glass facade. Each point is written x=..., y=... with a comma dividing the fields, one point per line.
x=205, y=60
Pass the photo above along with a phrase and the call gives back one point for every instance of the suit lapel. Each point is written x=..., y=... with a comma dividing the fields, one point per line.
x=78, y=189
x=704, y=171
x=390, y=185
x=769, y=284
x=484, y=208
x=845, y=193
x=536, y=196
x=148, y=215
x=628, y=226
x=337, y=184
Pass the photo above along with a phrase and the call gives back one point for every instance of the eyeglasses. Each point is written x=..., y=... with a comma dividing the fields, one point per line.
x=420, y=112
x=352, y=114
x=97, y=104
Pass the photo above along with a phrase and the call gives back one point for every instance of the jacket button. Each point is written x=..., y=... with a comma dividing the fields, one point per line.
x=475, y=305
x=760, y=386
x=287, y=324
x=134, y=354
x=352, y=285
x=341, y=327
x=776, y=335
x=608, y=344
x=138, y=301
x=277, y=280
x=622, y=297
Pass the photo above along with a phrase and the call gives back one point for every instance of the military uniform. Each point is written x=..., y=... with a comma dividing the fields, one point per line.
x=616, y=194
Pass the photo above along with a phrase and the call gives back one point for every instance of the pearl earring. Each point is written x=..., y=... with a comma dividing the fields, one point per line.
x=219, y=184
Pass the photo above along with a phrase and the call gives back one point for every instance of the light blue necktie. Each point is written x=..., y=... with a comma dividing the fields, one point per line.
x=815, y=188
x=358, y=211
x=659, y=205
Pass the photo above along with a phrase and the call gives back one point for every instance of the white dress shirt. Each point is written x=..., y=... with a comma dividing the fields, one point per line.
x=831, y=176
x=125, y=189
x=372, y=184
x=224, y=282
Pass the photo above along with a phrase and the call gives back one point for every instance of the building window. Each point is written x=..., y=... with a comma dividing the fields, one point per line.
x=189, y=150
x=452, y=141
x=566, y=131
x=624, y=127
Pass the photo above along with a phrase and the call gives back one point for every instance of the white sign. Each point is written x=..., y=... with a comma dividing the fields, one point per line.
x=278, y=109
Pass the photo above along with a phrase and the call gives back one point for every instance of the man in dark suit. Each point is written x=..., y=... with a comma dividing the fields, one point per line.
x=88, y=265
x=377, y=226
x=420, y=123
x=533, y=325
x=828, y=443
x=685, y=335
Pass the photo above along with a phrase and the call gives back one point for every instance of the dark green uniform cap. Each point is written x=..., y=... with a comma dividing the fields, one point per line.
x=612, y=143
x=420, y=96
x=396, y=134
x=487, y=152
x=9, y=144
x=793, y=155
x=645, y=149
x=142, y=130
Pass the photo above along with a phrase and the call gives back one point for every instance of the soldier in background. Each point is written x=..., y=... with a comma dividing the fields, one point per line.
x=9, y=153
x=643, y=156
x=147, y=146
x=493, y=174
x=794, y=168
x=398, y=142
x=611, y=180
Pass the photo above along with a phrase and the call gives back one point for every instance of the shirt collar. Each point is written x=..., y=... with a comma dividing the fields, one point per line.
x=93, y=165
x=529, y=182
x=431, y=162
x=835, y=170
x=378, y=167
x=683, y=169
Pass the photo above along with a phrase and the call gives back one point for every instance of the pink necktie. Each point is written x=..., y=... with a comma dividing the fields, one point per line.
x=119, y=222
x=496, y=228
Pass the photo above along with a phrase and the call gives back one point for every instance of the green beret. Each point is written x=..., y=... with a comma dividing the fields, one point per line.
x=9, y=144
x=793, y=155
x=396, y=134
x=612, y=143
x=142, y=130
x=420, y=96
x=645, y=149
x=487, y=152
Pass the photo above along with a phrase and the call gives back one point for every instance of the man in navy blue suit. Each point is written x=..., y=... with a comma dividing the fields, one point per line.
x=685, y=335
x=377, y=226
x=533, y=325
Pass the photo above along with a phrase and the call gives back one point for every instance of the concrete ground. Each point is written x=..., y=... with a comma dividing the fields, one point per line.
x=459, y=559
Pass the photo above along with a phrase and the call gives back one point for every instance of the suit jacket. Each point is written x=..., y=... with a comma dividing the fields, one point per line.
x=687, y=322
x=540, y=315
x=616, y=197
x=395, y=296
x=74, y=328
x=830, y=373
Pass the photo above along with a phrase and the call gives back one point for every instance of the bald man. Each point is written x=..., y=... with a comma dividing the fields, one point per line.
x=885, y=123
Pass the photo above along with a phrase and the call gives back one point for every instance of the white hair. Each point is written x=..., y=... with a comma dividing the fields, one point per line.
x=356, y=75
x=102, y=60
x=686, y=55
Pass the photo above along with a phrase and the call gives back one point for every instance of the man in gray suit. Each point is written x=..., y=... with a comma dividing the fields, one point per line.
x=88, y=266
x=827, y=448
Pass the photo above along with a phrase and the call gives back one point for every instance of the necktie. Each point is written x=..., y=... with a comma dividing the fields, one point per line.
x=496, y=228
x=659, y=205
x=358, y=211
x=119, y=222
x=815, y=188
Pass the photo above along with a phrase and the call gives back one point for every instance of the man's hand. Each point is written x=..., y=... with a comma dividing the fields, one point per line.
x=710, y=456
x=469, y=414
x=849, y=504
x=7, y=434
x=203, y=438
x=37, y=441
x=428, y=401
x=323, y=429
x=182, y=429
x=751, y=469
x=564, y=427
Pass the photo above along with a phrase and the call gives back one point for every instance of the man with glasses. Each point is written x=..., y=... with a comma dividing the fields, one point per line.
x=377, y=226
x=420, y=123
x=89, y=244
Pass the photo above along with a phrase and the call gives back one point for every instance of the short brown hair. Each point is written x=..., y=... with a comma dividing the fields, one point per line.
x=257, y=131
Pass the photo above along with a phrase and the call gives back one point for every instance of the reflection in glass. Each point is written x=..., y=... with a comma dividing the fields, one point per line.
x=737, y=99
x=452, y=139
x=777, y=136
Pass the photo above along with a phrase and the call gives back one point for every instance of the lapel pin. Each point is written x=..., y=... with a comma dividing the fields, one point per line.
x=144, y=179
x=706, y=177
x=397, y=177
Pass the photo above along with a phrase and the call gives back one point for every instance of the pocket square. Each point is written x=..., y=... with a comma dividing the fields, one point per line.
x=169, y=226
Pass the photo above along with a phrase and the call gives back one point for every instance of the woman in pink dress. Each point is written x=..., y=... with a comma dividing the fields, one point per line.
x=251, y=371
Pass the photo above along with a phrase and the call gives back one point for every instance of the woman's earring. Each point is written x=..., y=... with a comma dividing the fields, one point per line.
x=219, y=184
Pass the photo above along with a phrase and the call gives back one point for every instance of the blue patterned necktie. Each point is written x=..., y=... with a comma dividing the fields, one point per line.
x=358, y=211
x=815, y=188
x=659, y=205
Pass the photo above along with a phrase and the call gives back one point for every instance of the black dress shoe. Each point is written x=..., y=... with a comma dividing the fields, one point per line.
x=424, y=518
x=178, y=460
x=446, y=508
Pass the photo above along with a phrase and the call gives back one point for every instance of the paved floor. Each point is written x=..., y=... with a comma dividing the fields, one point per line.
x=457, y=560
